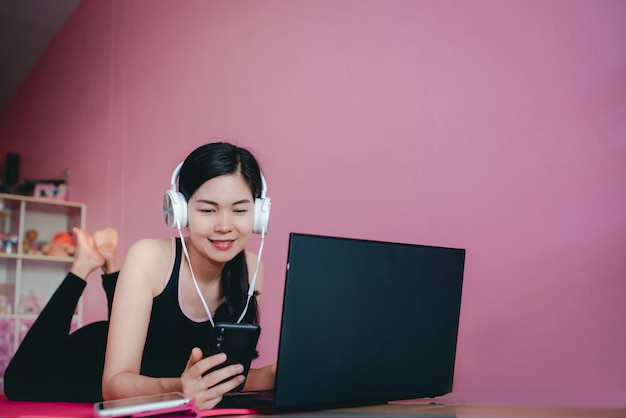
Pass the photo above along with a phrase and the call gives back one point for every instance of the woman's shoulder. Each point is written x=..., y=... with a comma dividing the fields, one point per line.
x=148, y=261
x=151, y=250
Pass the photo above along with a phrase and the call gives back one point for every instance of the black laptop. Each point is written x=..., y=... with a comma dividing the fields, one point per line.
x=364, y=322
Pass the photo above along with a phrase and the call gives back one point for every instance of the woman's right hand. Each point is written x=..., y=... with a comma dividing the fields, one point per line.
x=208, y=390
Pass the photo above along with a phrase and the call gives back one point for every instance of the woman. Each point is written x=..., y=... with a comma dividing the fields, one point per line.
x=159, y=323
x=159, y=326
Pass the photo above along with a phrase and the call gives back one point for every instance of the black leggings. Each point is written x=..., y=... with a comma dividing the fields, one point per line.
x=53, y=365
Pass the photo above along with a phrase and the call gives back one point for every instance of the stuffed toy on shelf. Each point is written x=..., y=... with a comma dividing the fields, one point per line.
x=61, y=245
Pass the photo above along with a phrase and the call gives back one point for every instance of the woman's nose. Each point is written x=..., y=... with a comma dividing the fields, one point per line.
x=225, y=223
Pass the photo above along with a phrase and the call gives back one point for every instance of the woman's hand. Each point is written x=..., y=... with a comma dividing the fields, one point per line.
x=208, y=390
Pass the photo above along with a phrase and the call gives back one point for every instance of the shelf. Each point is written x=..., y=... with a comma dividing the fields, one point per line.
x=28, y=316
x=28, y=278
x=44, y=201
x=37, y=257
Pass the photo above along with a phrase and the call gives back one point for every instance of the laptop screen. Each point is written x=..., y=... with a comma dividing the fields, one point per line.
x=367, y=322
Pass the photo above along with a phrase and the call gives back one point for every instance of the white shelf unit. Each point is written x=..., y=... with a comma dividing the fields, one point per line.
x=27, y=277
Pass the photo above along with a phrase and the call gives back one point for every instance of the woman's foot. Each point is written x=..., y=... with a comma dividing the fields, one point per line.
x=87, y=257
x=106, y=243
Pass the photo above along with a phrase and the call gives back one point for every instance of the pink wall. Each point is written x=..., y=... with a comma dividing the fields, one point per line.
x=495, y=126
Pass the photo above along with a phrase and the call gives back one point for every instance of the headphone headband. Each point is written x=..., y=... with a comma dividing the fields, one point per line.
x=175, y=206
x=175, y=175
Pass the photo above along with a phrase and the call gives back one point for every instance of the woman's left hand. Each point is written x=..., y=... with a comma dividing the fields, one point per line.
x=209, y=389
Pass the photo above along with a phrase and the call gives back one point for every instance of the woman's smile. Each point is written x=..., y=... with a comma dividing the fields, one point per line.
x=222, y=245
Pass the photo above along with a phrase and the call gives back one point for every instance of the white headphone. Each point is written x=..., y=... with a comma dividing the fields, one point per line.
x=175, y=206
x=175, y=214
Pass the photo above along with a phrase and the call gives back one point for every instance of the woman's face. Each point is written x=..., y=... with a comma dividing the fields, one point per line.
x=220, y=217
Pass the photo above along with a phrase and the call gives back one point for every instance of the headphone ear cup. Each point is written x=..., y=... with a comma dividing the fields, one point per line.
x=261, y=215
x=175, y=209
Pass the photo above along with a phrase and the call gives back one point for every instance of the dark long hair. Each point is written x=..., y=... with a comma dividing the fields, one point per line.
x=214, y=160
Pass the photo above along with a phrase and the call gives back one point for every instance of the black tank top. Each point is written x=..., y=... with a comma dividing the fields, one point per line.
x=171, y=334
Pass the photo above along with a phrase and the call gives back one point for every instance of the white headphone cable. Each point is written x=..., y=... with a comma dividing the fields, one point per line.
x=250, y=289
x=193, y=276
x=253, y=283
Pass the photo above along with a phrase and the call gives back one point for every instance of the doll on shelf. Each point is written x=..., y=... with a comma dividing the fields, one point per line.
x=30, y=245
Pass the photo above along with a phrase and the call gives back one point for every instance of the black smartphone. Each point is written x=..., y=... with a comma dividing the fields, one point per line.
x=238, y=341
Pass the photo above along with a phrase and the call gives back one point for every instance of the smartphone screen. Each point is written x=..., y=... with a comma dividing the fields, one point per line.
x=143, y=405
x=238, y=341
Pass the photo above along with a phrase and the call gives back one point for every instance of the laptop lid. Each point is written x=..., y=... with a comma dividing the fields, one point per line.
x=366, y=322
